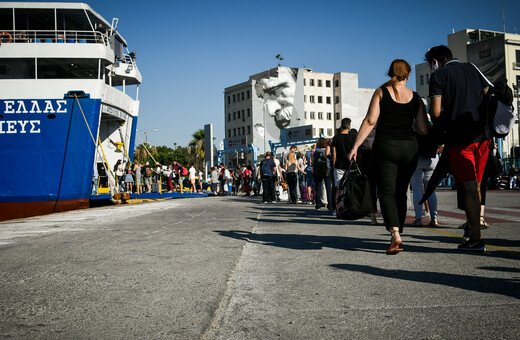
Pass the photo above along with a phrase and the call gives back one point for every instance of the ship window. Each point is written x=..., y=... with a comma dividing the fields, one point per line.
x=19, y=68
x=34, y=19
x=6, y=19
x=72, y=20
x=67, y=68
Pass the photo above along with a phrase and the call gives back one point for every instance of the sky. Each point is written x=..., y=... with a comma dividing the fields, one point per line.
x=190, y=51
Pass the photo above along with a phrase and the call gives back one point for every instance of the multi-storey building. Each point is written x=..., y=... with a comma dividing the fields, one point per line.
x=282, y=97
x=497, y=54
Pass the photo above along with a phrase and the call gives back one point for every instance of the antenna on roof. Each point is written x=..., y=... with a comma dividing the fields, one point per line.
x=504, y=19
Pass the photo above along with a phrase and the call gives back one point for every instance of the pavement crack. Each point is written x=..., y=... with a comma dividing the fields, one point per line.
x=226, y=297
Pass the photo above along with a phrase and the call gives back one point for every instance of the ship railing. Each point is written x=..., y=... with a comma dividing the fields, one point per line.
x=53, y=36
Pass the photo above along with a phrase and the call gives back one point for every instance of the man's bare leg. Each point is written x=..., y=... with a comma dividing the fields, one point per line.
x=472, y=204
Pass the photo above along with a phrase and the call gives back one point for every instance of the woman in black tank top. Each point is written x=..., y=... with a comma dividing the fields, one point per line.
x=395, y=145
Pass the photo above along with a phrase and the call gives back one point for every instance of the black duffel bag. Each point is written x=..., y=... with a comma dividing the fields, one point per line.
x=353, y=195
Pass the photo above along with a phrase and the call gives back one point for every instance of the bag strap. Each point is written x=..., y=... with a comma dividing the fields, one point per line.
x=483, y=76
x=355, y=164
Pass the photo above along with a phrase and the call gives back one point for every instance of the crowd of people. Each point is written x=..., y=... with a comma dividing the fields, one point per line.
x=147, y=178
x=399, y=145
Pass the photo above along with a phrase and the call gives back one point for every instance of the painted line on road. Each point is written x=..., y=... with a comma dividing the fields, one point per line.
x=450, y=234
x=462, y=216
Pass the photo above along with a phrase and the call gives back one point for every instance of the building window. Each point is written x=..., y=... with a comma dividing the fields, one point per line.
x=304, y=98
x=304, y=82
x=336, y=83
x=249, y=112
x=337, y=116
x=320, y=115
x=305, y=115
x=249, y=129
x=314, y=131
x=243, y=116
x=234, y=98
x=234, y=115
x=322, y=131
x=329, y=115
x=329, y=132
x=320, y=99
x=313, y=115
x=421, y=80
x=336, y=99
x=311, y=99
x=238, y=114
x=329, y=100
x=234, y=132
x=229, y=133
x=427, y=79
x=229, y=117
x=243, y=130
x=320, y=83
x=229, y=99
x=242, y=95
x=327, y=83
x=312, y=82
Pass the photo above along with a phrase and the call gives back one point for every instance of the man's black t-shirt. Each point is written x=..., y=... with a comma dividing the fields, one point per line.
x=461, y=88
x=343, y=144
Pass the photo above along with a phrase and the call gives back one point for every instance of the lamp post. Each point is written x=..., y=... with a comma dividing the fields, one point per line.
x=146, y=132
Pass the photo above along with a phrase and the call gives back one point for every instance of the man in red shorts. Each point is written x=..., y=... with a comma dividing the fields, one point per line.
x=458, y=88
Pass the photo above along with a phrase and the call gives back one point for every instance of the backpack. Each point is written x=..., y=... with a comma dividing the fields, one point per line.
x=266, y=169
x=184, y=171
x=496, y=110
x=321, y=168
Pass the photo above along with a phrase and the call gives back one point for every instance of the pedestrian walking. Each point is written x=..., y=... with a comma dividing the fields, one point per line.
x=394, y=108
x=458, y=89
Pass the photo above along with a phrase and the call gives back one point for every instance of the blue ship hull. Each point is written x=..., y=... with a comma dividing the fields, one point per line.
x=48, y=154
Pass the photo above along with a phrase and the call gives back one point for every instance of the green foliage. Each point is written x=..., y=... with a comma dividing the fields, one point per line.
x=192, y=154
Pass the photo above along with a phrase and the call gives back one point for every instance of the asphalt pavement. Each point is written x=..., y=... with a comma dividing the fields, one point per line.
x=234, y=268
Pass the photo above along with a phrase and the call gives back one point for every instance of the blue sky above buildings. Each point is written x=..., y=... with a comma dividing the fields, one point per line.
x=190, y=51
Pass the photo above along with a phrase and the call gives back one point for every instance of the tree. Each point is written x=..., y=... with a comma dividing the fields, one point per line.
x=196, y=147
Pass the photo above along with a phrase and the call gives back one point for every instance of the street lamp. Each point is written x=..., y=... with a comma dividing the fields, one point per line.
x=147, y=132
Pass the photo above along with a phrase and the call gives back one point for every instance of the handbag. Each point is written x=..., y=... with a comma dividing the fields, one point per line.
x=353, y=199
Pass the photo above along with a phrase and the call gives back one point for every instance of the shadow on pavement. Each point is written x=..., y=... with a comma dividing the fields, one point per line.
x=480, y=284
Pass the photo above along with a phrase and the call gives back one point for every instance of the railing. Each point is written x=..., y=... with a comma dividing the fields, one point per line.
x=51, y=36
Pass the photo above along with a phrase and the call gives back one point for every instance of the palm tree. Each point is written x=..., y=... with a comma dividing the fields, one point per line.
x=197, y=147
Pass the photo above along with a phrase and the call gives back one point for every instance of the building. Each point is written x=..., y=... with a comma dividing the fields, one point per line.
x=497, y=54
x=256, y=110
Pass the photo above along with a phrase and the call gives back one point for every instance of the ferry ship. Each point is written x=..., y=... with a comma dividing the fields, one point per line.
x=69, y=102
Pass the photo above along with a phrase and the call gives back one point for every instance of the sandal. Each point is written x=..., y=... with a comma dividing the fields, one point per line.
x=434, y=223
x=483, y=223
x=394, y=247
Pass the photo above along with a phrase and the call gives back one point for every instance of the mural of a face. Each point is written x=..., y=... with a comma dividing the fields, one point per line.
x=278, y=96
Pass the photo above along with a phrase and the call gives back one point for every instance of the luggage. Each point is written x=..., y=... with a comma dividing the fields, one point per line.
x=155, y=187
x=304, y=193
x=353, y=195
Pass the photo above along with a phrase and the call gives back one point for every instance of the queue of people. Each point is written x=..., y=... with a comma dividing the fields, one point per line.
x=147, y=178
x=399, y=145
